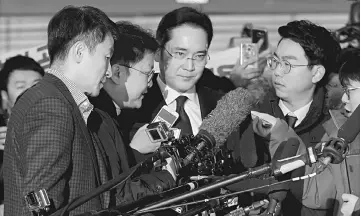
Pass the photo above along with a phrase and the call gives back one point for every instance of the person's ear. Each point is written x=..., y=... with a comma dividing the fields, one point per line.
x=119, y=75
x=78, y=50
x=318, y=72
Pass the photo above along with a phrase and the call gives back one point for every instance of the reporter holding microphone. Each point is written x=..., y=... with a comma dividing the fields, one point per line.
x=336, y=188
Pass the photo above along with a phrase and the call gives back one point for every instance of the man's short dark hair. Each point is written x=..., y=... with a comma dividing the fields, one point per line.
x=73, y=24
x=320, y=47
x=349, y=66
x=132, y=44
x=181, y=16
x=18, y=63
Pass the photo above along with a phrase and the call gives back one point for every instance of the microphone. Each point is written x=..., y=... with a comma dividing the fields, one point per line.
x=336, y=148
x=283, y=166
x=185, y=188
x=231, y=110
x=146, y=164
x=280, y=166
x=278, y=193
x=199, y=209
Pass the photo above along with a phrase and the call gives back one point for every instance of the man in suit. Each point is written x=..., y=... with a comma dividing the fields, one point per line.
x=132, y=70
x=184, y=35
x=49, y=146
x=304, y=57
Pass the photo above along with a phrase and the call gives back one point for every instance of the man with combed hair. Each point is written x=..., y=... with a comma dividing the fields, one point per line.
x=48, y=144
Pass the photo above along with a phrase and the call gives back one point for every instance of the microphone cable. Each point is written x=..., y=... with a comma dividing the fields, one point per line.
x=80, y=199
x=226, y=195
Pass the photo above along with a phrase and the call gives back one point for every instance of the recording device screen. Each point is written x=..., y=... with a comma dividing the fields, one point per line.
x=154, y=134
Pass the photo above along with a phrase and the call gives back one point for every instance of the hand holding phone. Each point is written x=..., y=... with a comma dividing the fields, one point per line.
x=262, y=123
x=267, y=120
x=249, y=53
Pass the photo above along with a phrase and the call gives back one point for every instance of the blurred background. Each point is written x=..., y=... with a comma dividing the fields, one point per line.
x=23, y=23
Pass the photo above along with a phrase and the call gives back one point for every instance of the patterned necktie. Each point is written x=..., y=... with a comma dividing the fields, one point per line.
x=291, y=120
x=183, y=121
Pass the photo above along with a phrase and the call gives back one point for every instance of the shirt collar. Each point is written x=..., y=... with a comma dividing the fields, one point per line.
x=117, y=108
x=171, y=95
x=80, y=98
x=299, y=113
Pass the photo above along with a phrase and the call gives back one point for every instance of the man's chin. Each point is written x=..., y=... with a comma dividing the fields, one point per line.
x=280, y=94
x=93, y=93
x=133, y=105
x=184, y=88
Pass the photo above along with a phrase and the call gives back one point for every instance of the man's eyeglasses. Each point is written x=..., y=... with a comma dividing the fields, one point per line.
x=348, y=89
x=148, y=74
x=198, y=59
x=273, y=63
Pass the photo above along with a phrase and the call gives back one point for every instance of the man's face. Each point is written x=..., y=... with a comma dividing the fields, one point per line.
x=19, y=81
x=188, y=45
x=96, y=65
x=351, y=98
x=139, y=80
x=299, y=81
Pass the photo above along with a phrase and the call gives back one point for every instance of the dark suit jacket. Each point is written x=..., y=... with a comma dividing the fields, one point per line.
x=49, y=146
x=115, y=153
x=252, y=151
x=153, y=102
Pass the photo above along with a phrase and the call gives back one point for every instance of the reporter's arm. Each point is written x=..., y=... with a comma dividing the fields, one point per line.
x=144, y=185
x=46, y=147
x=276, y=134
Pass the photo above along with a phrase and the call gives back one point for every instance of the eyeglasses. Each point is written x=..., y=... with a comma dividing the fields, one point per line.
x=346, y=90
x=199, y=60
x=148, y=74
x=273, y=63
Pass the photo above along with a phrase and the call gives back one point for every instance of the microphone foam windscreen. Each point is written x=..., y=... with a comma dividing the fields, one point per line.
x=230, y=112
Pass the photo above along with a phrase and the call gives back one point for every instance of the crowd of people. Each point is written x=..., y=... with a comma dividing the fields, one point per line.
x=83, y=122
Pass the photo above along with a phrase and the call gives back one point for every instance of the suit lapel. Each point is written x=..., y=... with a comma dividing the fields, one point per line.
x=206, y=102
x=78, y=117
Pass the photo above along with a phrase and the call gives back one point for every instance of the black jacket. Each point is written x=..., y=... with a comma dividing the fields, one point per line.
x=250, y=150
x=116, y=151
x=153, y=102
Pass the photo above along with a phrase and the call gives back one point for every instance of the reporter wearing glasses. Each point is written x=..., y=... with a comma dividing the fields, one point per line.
x=132, y=69
x=305, y=55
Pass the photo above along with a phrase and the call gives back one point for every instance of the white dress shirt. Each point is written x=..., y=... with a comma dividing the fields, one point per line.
x=300, y=113
x=191, y=106
x=117, y=108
